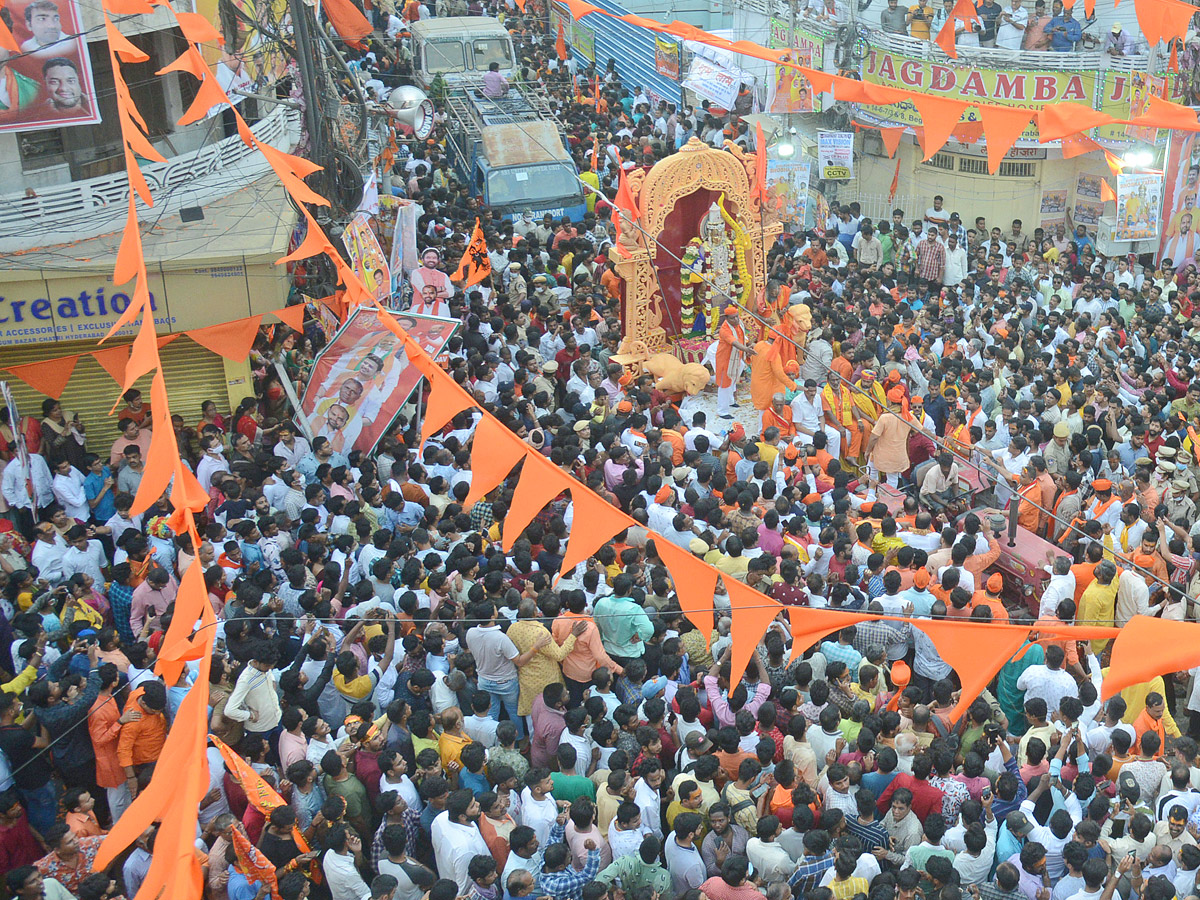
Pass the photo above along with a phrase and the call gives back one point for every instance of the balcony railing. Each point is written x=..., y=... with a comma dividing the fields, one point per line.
x=83, y=209
x=967, y=56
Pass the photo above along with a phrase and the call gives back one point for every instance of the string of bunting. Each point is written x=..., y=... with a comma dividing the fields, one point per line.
x=1161, y=20
x=232, y=340
x=1144, y=648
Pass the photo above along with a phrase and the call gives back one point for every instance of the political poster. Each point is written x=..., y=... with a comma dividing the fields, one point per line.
x=712, y=82
x=49, y=84
x=789, y=91
x=835, y=155
x=249, y=57
x=787, y=188
x=1087, y=187
x=366, y=256
x=666, y=57
x=1087, y=214
x=1139, y=198
x=1141, y=88
x=363, y=377
x=1181, y=209
x=1053, y=208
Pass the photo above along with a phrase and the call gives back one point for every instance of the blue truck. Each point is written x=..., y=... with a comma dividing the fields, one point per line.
x=513, y=154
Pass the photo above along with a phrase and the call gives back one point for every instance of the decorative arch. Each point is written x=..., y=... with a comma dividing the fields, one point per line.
x=695, y=166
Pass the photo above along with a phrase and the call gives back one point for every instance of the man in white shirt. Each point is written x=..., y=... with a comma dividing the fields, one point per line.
x=956, y=262
x=1012, y=23
x=49, y=551
x=291, y=447
x=456, y=839
x=1050, y=681
x=341, y=865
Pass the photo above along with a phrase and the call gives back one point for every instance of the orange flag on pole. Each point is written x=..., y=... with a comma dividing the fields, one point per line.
x=623, y=202
x=560, y=44
x=475, y=264
x=895, y=182
x=760, y=163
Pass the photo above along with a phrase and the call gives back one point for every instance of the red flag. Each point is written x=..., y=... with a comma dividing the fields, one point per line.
x=475, y=264
x=623, y=203
x=895, y=181
x=760, y=164
x=560, y=45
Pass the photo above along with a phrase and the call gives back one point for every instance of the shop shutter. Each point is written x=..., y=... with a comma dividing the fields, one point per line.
x=193, y=375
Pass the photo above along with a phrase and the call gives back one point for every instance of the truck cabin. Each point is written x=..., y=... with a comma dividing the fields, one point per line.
x=460, y=49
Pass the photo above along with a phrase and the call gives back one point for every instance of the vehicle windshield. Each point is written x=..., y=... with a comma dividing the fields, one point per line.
x=490, y=50
x=530, y=184
x=444, y=56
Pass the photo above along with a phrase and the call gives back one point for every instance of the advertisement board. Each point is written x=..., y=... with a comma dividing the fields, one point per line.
x=712, y=82
x=363, y=377
x=1181, y=210
x=666, y=57
x=790, y=91
x=1139, y=199
x=787, y=187
x=581, y=38
x=1028, y=87
x=49, y=84
x=835, y=155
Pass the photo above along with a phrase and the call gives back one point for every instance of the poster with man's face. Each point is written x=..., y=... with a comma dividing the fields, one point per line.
x=49, y=83
x=363, y=377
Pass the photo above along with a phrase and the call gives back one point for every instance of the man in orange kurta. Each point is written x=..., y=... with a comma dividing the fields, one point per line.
x=767, y=377
x=779, y=415
x=731, y=345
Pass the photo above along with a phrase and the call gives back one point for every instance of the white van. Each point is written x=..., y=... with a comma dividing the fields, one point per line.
x=460, y=49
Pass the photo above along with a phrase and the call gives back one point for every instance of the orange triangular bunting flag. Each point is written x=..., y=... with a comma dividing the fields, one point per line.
x=113, y=360
x=938, y=118
x=975, y=651
x=1106, y=191
x=752, y=613
x=539, y=484
x=812, y=625
x=446, y=400
x=1147, y=647
x=595, y=521
x=1056, y=120
x=494, y=452
x=231, y=340
x=1074, y=145
x=694, y=584
x=49, y=377
x=1002, y=126
x=292, y=317
x=891, y=139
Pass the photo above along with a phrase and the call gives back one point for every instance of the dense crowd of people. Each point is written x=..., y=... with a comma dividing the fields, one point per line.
x=445, y=719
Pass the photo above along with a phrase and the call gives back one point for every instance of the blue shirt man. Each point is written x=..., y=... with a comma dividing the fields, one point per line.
x=1064, y=32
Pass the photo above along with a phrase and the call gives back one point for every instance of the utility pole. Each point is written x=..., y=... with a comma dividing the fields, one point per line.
x=302, y=29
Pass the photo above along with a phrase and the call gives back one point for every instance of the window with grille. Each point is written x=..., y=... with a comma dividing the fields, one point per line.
x=1018, y=170
x=969, y=165
x=39, y=149
x=941, y=161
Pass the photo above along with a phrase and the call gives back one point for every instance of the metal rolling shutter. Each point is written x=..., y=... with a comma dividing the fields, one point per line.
x=193, y=375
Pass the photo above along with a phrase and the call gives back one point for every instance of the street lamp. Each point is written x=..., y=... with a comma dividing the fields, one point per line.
x=786, y=147
x=1138, y=158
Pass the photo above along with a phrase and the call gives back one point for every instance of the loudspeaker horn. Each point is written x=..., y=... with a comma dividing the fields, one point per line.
x=412, y=107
